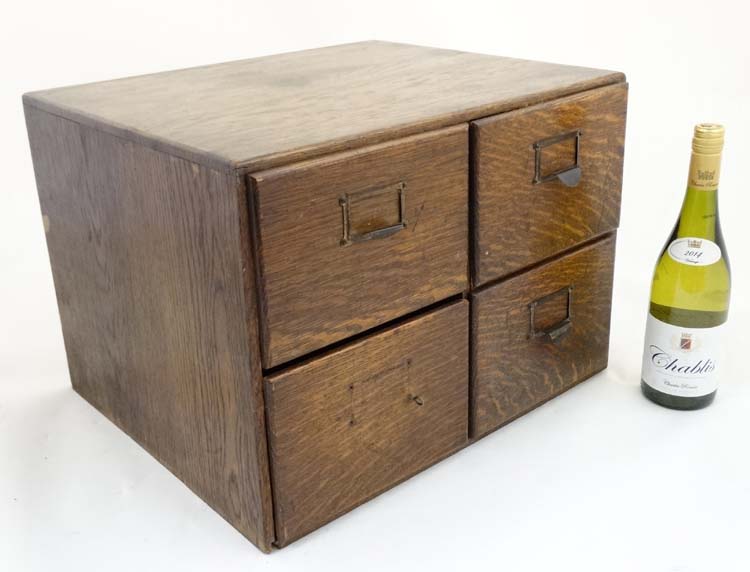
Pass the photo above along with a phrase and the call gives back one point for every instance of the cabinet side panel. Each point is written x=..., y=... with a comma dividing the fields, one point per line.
x=150, y=258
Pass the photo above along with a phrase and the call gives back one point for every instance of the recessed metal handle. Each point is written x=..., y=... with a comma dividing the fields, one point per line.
x=558, y=330
x=350, y=237
x=569, y=176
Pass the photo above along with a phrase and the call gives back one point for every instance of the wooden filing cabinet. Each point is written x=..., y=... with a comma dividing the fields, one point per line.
x=299, y=280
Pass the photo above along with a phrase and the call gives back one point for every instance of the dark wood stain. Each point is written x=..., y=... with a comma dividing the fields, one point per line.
x=265, y=112
x=518, y=222
x=514, y=373
x=278, y=251
x=348, y=425
x=316, y=291
x=147, y=259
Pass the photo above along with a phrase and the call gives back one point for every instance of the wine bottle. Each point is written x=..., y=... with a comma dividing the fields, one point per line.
x=690, y=290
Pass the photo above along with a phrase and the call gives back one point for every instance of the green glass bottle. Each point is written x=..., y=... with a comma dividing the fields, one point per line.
x=690, y=290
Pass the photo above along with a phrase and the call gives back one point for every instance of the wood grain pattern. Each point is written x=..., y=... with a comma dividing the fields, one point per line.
x=196, y=233
x=345, y=427
x=513, y=373
x=161, y=336
x=517, y=222
x=316, y=291
x=269, y=111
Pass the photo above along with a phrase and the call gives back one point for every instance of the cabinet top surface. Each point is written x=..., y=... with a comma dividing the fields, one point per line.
x=263, y=112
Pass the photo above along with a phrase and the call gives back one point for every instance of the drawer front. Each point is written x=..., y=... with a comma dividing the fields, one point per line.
x=546, y=178
x=354, y=240
x=540, y=332
x=348, y=425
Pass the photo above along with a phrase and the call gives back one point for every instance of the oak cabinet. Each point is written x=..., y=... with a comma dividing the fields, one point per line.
x=299, y=280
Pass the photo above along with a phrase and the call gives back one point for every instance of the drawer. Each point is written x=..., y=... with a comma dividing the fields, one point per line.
x=540, y=332
x=346, y=426
x=353, y=240
x=546, y=178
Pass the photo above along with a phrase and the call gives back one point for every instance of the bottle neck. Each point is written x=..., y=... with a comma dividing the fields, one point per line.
x=704, y=171
x=700, y=208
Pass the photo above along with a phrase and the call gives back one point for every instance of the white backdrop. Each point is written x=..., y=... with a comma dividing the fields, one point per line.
x=598, y=479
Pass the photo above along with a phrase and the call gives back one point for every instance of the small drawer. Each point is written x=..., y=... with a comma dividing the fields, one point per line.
x=539, y=333
x=546, y=178
x=346, y=426
x=357, y=239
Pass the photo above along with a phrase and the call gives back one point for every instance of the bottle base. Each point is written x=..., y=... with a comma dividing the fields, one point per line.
x=676, y=401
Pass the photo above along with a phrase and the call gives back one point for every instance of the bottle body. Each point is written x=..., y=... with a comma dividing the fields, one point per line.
x=689, y=302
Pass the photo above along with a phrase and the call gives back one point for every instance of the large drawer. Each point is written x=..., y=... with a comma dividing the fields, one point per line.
x=546, y=178
x=346, y=426
x=357, y=239
x=540, y=332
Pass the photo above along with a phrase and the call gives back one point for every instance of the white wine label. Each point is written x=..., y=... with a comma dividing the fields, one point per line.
x=681, y=361
x=694, y=251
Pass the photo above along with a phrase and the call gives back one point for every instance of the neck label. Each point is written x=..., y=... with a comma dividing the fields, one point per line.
x=704, y=172
x=694, y=251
